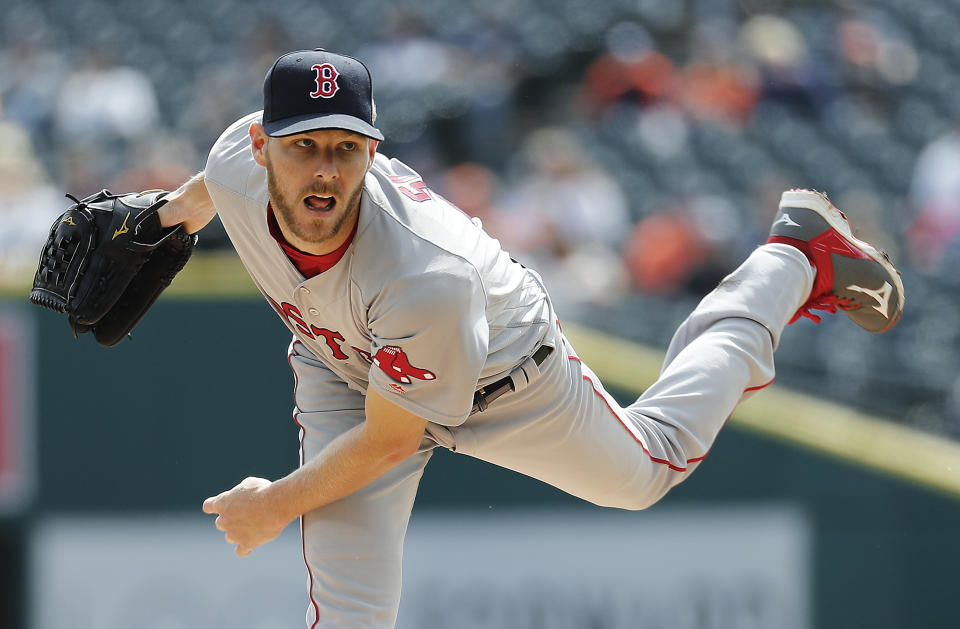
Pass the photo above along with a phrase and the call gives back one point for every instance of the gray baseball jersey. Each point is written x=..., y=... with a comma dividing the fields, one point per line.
x=426, y=308
x=418, y=276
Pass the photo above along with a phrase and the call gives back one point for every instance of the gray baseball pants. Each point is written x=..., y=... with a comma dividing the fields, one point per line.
x=562, y=428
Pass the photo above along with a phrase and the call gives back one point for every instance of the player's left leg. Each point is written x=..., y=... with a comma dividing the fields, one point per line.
x=567, y=431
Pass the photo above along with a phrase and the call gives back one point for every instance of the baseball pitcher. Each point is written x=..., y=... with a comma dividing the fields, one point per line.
x=411, y=329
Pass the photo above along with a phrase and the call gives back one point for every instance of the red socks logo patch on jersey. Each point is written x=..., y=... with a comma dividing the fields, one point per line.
x=394, y=362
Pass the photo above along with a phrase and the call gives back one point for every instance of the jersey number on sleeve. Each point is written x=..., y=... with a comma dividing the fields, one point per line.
x=412, y=187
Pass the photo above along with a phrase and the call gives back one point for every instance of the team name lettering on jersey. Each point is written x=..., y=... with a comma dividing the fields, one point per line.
x=365, y=355
x=331, y=338
x=391, y=359
x=292, y=315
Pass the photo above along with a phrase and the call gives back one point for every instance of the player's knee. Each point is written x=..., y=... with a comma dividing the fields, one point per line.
x=629, y=503
x=634, y=498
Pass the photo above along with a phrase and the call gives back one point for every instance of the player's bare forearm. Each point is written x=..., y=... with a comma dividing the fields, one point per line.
x=256, y=511
x=190, y=204
x=349, y=463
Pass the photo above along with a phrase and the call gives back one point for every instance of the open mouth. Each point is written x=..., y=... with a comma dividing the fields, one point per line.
x=319, y=203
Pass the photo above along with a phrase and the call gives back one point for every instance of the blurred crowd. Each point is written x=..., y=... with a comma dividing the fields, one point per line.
x=633, y=151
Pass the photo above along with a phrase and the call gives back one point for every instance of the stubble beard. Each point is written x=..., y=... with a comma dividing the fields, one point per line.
x=314, y=231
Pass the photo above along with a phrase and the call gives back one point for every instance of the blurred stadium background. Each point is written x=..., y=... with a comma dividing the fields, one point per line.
x=631, y=150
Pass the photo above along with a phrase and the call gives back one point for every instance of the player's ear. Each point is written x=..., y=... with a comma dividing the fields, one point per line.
x=258, y=143
x=372, y=150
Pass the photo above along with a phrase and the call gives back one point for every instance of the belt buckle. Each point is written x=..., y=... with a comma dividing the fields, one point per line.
x=480, y=402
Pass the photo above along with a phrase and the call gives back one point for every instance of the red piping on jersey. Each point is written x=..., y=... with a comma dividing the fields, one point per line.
x=303, y=539
x=673, y=467
x=308, y=264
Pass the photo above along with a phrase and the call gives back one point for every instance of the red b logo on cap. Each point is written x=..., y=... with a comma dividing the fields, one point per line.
x=326, y=80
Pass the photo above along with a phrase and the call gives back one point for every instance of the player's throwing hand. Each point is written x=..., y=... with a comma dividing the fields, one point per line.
x=246, y=515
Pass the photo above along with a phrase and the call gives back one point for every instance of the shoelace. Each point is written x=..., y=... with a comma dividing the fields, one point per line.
x=828, y=302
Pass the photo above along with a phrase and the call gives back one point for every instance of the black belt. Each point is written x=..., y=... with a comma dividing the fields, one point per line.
x=485, y=395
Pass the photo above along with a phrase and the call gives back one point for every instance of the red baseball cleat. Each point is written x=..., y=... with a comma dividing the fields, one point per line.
x=852, y=275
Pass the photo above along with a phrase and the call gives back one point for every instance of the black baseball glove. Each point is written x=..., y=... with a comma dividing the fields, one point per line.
x=106, y=261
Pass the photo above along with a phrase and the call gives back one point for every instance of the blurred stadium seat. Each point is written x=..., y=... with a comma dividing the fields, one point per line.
x=869, y=86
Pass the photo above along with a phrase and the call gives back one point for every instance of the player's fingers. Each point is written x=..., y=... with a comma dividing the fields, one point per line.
x=219, y=523
x=242, y=551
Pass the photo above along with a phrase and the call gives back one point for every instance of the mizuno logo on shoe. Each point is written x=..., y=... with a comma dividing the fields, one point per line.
x=786, y=220
x=882, y=296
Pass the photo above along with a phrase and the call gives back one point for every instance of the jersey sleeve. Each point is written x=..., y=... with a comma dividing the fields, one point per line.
x=430, y=338
x=230, y=167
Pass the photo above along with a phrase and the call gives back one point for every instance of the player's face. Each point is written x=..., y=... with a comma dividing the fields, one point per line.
x=315, y=181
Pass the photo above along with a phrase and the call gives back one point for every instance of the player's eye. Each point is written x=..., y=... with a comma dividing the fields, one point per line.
x=304, y=143
x=348, y=146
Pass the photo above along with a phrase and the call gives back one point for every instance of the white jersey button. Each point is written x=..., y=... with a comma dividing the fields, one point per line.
x=304, y=290
x=314, y=311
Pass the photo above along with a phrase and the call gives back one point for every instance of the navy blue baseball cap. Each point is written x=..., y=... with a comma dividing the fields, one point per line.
x=308, y=90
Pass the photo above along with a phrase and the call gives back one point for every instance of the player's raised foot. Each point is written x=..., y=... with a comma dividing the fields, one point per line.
x=852, y=275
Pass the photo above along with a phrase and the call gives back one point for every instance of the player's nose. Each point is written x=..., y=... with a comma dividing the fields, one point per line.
x=325, y=165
